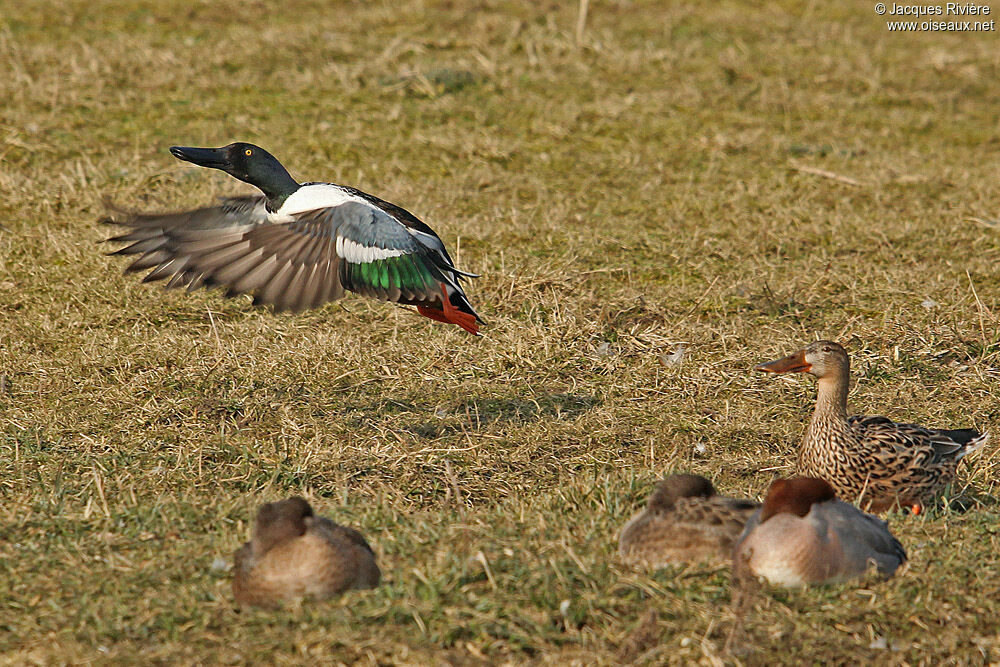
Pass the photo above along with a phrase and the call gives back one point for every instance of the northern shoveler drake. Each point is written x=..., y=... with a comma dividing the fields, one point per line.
x=873, y=460
x=298, y=245
x=684, y=521
x=803, y=535
x=294, y=554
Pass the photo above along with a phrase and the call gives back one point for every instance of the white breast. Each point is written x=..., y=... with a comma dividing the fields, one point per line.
x=312, y=197
x=778, y=571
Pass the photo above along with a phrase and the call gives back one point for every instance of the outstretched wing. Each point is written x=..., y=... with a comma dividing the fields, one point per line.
x=298, y=264
x=167, y=242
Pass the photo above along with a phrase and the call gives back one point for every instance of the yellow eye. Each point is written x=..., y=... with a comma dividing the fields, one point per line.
x=249, y=152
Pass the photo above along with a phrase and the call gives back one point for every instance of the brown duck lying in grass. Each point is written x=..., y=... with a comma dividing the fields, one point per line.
x=879, y=462
x=684, y=521
x=804, y=535
x=294, y=554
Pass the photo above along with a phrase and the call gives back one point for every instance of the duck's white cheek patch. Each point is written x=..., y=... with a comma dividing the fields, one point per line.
x=356, y=253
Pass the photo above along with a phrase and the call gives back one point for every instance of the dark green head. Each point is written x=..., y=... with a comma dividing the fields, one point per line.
x=251, y=164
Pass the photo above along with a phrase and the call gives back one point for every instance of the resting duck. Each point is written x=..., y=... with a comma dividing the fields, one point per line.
x=879, y=462
x=294, y=554
x=298, y=245
x=804, y=535
x=684, y=521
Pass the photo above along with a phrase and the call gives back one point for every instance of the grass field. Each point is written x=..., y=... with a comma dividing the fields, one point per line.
x=705, y=182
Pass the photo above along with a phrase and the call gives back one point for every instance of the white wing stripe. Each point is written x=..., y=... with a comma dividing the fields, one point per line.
x=356, y=253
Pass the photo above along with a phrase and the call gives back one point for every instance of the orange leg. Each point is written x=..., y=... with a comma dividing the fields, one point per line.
x=449, y=314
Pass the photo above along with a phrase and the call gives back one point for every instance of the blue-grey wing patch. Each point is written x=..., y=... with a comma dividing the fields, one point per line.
x=382, y=259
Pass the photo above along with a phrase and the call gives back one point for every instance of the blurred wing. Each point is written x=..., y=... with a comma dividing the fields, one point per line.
x=718, y=512
x=295, y=265
x=165, y=242
x=334, y=531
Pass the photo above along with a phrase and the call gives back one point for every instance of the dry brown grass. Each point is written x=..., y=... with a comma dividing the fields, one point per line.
x=664, y=183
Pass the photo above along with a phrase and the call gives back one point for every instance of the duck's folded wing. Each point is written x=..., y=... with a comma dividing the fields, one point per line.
x=904, y=439
x=727, y=515
x=292, y=266
x=334, y=531
x=864, y=537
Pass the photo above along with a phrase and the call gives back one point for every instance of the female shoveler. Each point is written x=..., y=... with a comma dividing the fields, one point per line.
x=684, y=521
x=294, y=554
x=297, y=246
x=804, y=535
x=873, y=460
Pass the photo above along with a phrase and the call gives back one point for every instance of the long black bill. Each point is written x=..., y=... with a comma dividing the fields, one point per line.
x=216, y=158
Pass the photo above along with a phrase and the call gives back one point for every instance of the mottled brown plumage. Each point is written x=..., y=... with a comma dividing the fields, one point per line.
x=294, y=554
x=684, y=521
x=872, y=460
x=804, y=535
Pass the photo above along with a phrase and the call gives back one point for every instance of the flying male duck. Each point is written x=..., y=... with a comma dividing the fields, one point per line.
x=804, y=535
x=294, y=554
x=298, y=245
x=684, y=521
x=879, y=462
